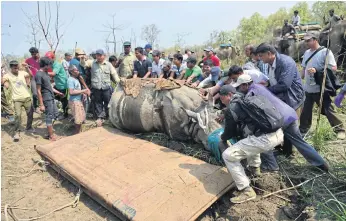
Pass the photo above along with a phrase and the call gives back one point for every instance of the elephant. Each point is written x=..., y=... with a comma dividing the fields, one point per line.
x=292, y=47
x=337, y=42
x=180, y=113
x=226, y=53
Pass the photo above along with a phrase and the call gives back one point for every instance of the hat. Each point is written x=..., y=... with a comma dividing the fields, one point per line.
x=243, y=79
x=14, y=63
x=156, y=53
x=226, y=89
x=170, y=56
x=166, y=63
x=309, y=35
x=99, y=51
x=80, y=51
x=68, y=54
x=209, y=49
x=147, y=46
x=127, y=43
x=50, y=55
x=191, y=59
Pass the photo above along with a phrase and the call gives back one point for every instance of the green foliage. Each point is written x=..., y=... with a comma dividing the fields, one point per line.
x=277, y=19
x=322, y=134
x=320, y=9
x=252, y=29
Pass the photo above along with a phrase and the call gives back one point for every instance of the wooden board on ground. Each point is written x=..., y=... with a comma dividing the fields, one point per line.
x=136, y=179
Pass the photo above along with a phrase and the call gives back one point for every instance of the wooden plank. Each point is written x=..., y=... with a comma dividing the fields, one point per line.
x=136, y=179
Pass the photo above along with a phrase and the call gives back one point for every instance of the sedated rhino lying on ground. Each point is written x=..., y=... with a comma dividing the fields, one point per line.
x=180, y=113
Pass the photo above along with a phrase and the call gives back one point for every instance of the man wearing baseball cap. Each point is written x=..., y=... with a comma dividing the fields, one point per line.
x=253, y=142
x=311, y=66
x=209, y=55
x=102, y=73
x=20, y=96
x=149, y=50
x=125, y=62
x=66, y=62
x=192, y=72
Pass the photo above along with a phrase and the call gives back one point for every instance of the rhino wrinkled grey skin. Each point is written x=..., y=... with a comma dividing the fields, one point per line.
x=180, y=113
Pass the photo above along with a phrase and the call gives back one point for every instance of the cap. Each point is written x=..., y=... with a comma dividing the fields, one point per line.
x=309, y=35
x=99, y=51
x=80, y=51
x=243, y=79
x=127, y=43
x=191, y=59
x=226, y=89
x=167, y=63
x=156, y=53
x=14, y=62
x=68, y=54
x=209, y=49
x=50, y=55
x=93, y=52
x=147, y=46
x=170, y=56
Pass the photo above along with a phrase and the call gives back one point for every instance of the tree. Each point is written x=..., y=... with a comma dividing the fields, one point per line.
x=223, y=37
x=252, y=30
x=303, y=10
x=34, y=38
x=321, y=9
x=213, y=37
x=180, y=42
x=52, y=35
x=150, y=33
x=111, y=30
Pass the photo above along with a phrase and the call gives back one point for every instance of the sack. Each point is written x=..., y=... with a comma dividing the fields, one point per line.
x=213, y=143
x=266, y=117
x=332, y=83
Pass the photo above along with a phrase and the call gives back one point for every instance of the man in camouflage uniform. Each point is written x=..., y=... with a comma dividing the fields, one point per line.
x=125, y=62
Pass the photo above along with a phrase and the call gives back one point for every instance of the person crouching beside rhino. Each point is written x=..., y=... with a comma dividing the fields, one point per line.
x=259, y=120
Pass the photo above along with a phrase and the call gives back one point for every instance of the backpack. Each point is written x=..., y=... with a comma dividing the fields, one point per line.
x=263, y=113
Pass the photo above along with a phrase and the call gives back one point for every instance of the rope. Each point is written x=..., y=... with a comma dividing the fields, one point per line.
x=39, y=162
x=73, y=204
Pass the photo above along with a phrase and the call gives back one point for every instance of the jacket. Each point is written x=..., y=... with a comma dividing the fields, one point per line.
x=289, y=87
x=237, y=122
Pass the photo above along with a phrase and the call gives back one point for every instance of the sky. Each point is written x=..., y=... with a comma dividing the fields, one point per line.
x=84, y=21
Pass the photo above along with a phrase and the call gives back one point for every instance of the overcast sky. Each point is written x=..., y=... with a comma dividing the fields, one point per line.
x=197, y=18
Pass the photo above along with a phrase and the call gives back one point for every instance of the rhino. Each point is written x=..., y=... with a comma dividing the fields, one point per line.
x=180, y=113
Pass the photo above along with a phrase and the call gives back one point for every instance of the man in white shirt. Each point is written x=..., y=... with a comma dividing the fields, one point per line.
x=296, y=19
x=157, y=64
x=186, y=55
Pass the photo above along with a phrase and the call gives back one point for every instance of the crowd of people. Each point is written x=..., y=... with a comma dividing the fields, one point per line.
x=85, y=84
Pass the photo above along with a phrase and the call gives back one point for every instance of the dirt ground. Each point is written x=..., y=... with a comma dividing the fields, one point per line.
x=45, y=190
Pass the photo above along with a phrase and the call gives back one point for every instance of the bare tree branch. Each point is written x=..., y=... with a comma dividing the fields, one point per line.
x=150, y=33
x=111, y=30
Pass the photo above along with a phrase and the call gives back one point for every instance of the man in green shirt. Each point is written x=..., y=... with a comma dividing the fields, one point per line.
x=60, y=82
x=193, y=71
x=125, y=61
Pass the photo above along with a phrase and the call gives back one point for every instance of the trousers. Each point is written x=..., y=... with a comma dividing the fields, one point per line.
x=250, y=149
